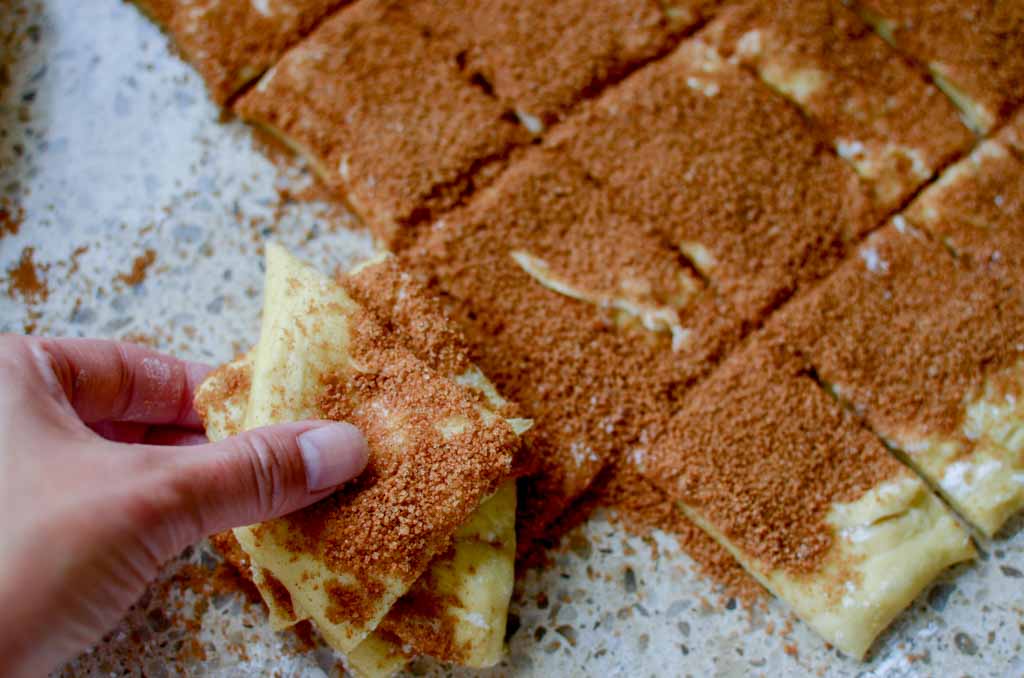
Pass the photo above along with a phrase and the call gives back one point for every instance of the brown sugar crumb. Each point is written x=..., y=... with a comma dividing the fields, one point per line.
x=762, y=453
x=907, y=332
x=975, y=45
x=11, y=217
x=232, y=42
x=539, y=57
x=235, y=574
x=24, y=279
x=359, y=96
x=722, y=167
x=140, y=266
x=639, y=506
x=421, y=619
x=282, y=598
x=233, y=381
x=880, y=112
x=74, y=261
x=405, y=309
x=352, y=603
x=591, y=385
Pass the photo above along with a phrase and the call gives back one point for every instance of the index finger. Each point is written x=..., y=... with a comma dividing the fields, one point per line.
x=114, y=381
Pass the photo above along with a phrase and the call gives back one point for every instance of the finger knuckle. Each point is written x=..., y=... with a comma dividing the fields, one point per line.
x=269, y=474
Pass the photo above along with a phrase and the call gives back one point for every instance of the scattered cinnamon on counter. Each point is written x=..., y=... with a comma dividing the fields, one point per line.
x=638, y=506
x=139, y=268
x=73, y=262
x=24, y=279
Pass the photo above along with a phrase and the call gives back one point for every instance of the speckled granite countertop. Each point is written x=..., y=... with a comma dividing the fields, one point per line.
x=111, y=148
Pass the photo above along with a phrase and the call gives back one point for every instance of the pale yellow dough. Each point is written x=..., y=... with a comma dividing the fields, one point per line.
x=657, y=317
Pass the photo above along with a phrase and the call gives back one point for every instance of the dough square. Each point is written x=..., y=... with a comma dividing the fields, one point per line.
x=929, y=349
x=880, y=111
x=579, y=313
x=974, y=50
x=378, y=105
x=807, y=500
x=233, y=42
x=726, y=170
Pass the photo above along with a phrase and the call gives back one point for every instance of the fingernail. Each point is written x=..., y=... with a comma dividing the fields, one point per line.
x=332, y=454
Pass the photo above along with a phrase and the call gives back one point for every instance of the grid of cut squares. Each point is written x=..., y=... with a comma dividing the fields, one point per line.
x=880, y=111
x=400, y=105
x=407, y=109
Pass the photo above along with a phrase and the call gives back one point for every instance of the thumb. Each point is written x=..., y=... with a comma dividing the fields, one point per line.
x=268, y=472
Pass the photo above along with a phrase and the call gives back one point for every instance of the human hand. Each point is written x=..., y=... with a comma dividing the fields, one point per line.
x=102, y=480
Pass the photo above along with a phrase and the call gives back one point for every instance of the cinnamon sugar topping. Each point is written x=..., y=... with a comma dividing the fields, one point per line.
x=407, y=312
x=539, y=57
x=419, y=485
x=592, y=384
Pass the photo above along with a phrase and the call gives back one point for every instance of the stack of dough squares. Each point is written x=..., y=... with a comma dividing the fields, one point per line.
x=415, y=556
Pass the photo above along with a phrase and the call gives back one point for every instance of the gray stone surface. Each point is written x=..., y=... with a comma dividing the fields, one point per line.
x=107, y=141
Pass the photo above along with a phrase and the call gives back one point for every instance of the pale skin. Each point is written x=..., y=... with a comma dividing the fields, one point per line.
x=105, y=474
